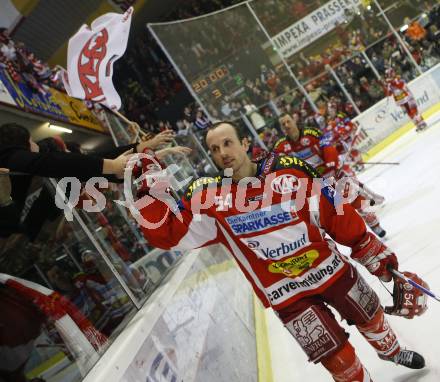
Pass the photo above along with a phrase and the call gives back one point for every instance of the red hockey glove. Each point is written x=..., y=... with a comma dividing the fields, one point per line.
x=143, y=171
x=375, y=256
x=408, y=301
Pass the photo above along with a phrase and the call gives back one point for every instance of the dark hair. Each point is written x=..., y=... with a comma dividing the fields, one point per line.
x=73, y=147
x=13, y=134
x=48, y=145
x=237, y=128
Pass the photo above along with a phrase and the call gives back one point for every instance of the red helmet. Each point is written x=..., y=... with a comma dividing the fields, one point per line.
x=409, y=301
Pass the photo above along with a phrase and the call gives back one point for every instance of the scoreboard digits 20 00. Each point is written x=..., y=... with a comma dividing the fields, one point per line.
x=215, y=75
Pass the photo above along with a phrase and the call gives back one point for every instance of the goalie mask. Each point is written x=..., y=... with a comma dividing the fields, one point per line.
x=408, y=300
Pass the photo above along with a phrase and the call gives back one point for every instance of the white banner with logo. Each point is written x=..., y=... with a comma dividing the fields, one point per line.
x=5, y=97
x=385, y=117
x=91, y=54
x=314, y=25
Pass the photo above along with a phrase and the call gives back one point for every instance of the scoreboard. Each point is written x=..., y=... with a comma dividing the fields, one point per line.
x=217, y=83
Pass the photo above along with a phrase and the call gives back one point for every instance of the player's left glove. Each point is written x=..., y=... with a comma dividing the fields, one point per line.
x=408, y=301
x=144, y=170
x=375, y=256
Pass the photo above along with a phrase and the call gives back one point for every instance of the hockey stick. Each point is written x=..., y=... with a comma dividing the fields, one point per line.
x=414, y=284
x=125, y=119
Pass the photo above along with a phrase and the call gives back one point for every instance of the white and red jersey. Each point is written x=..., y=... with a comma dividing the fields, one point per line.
x=397, y=88
x=342, y=131
x=404, y=98
x=312, y=146
x=274, y=227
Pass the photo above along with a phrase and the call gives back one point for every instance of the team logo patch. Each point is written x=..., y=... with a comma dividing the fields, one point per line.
x=294, y=266
x=285, y=184
x=305, y=141
x=312, y=334
x=280, y=243
x=364, y=297
x=262, y=219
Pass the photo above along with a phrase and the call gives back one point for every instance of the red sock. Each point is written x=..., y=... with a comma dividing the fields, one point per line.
x=345, y=366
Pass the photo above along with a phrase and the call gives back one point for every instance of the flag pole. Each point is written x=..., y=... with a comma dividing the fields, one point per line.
x=125, y=119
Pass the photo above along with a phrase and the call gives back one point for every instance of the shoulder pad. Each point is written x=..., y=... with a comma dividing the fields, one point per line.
x=201, y=183
x=286, y=161
x=279, y=141
x=312, y=131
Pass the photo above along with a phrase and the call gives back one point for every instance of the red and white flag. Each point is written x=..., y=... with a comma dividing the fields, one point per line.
x=90, y=57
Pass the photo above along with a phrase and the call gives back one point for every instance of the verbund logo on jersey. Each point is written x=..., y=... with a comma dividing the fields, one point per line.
x=260, y=220
x=281, y=250
x=274, y=245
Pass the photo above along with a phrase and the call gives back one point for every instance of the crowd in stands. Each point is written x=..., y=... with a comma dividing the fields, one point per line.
x=148, y=81
x=23, y=66
x=361, y=82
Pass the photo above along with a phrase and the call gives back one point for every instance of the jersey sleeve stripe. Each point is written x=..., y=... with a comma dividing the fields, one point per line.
x=201, y=230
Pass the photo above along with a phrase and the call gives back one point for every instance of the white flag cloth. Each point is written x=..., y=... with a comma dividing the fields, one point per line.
x=90, y=57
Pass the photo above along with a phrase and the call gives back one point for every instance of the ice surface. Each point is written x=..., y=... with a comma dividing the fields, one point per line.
x=411, y=217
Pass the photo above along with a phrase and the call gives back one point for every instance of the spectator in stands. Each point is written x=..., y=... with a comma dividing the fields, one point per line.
x=23, y=65
x=378, y=61
x=374, y=89
x=188, y=114
x=202, y=122
x=226, y=107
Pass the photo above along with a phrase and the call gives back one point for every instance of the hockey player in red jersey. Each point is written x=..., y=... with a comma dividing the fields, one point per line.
x=273, y=216
x=398, y=89
x=309, y=144
x=317, y=150
x=343, y=132
x=343, y=135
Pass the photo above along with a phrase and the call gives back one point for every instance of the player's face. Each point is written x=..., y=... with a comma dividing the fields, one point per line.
x=226, y=148
x=332, y=113
x=289, y=127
